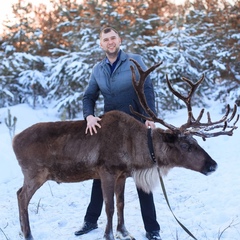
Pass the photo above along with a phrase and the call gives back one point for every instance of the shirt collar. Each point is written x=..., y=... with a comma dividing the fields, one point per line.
x=118, y=57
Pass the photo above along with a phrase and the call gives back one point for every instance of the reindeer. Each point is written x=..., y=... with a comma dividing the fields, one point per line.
x=123, y=147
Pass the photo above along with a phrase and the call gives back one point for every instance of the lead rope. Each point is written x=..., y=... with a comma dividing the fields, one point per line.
x=151, y=150
x=166, y=198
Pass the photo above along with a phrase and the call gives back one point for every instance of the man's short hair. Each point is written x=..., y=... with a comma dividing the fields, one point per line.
x=107, y=30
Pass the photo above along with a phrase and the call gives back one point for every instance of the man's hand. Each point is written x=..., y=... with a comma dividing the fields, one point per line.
x=150, y=124
x=92, y=124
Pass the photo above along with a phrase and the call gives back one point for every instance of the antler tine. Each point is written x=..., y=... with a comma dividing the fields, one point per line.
x=205, y=134
x=187, y=100
x=139, y=89
x=197, y=124
x=204, y=129
x=144, y=74
x=236, y=120
x=233, y=113
x=222, y=120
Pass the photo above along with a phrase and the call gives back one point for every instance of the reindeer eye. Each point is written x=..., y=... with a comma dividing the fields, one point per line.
x=186, y=147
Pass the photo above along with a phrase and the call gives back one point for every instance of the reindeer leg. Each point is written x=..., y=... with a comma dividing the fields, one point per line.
x=122, y=232
x=108, y=182
x=24, y=194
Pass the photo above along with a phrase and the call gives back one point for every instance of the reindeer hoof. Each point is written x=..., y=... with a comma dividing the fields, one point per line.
x=108, y=237
x=30, y=237
x=124, y=236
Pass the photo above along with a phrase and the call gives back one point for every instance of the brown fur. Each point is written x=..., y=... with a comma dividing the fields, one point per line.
x=61, y=151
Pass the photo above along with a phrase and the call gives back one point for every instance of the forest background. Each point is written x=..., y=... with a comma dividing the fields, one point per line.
x=47, y=52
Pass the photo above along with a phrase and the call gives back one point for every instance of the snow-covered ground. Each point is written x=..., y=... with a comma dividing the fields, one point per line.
x=208, y=206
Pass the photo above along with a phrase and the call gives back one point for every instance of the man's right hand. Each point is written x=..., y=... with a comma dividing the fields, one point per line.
x=92, y=124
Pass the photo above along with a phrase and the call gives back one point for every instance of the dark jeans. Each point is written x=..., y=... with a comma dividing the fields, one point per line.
x=146, y=203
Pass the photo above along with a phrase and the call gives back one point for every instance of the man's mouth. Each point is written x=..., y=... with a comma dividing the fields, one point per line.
x=111, y=48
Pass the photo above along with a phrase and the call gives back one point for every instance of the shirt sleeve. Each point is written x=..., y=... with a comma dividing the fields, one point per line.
x=90, y=96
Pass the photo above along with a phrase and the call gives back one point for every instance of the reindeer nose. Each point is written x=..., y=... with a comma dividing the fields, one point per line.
x=209, y=168
x=212, y=168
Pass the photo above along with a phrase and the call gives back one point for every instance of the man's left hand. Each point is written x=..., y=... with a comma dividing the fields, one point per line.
x=150, y=124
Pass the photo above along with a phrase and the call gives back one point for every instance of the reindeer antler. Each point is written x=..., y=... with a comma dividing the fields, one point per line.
x=203, y=129
x=199, y=128
x=193, y=125
x=187, y=100
x=139, y=88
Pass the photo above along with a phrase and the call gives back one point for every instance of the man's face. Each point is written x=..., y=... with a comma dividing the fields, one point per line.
x=110, y=43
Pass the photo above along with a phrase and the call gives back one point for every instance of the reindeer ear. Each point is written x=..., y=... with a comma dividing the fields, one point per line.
x=169, y=137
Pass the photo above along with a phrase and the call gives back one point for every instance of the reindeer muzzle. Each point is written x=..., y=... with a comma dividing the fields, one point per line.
x=209, y=168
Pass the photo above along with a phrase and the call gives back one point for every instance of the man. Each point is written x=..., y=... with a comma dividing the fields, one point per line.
x=113, y=78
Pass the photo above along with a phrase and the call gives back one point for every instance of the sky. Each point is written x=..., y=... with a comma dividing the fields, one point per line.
x=207, y=205
x=5, y=6
x=6, y=9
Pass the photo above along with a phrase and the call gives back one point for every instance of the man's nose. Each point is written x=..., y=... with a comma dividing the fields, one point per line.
x=110, y=41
